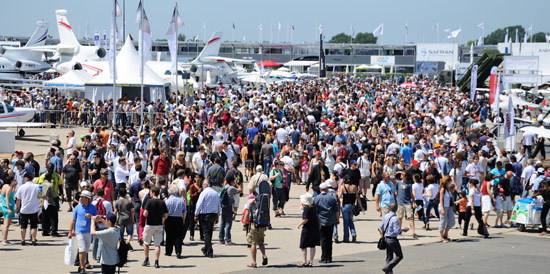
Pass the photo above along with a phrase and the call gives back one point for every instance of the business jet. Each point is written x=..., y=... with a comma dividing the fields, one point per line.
x=18, y=118
x=15, y=62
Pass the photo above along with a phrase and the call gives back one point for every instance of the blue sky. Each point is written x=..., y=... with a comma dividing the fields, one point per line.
x=18, y=17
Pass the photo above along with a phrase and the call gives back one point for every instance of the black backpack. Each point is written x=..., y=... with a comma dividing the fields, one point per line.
x=261, y=219
x=515, y=186
x=123, y=249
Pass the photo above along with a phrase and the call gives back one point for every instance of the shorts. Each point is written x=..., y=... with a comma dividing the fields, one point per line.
x=405, y=210
x=364, y=183
x=249, y=163
x=151, y=232
x=498, y=205
x=236, y=200
x=256, y=235
x=24, y=220
x=83, y=240
x=507, y=205
x=486, y=203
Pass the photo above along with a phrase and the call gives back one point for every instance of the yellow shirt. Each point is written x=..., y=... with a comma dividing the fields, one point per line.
x=56, y=182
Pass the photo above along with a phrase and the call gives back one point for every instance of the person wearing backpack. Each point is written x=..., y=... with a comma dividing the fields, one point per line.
x=110, y=238
x=256, y=233
x=103, y=207
x=226, y=200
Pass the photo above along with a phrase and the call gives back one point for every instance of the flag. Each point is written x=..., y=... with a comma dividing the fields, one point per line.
x=97, y=43
x=547, y=37
x=112, y=46
x=279, y=27
x=506, y=37
x=525, y=37
x=455, y=33
x=352, y=31
x=118, y=11
x=104, y=38
x=262, y=69
x=509, y=126
x=144, y=35
x=494, y=99
x=481, y=26
x=87, y=35
x=448, y=31
x=530, y=29
x=292, y=27
x=233, y=25
x=436, y=26
x=407, y=27
x=321, y=29
x=244, y=38
x=517, y=37
x=379, y=30
x=260, y=27
x=171, y=36
x=473, y=83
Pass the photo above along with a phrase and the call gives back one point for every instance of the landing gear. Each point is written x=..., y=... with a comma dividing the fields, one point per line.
x=521, y=227
x=21, y=132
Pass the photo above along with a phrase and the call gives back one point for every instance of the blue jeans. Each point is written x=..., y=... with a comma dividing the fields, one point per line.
x=315, y=193
x=525, y=193
x=97, y=245
x=347, y=215
x=267, y=165
x=429, y=207
x=225, y=224
x=129, y=228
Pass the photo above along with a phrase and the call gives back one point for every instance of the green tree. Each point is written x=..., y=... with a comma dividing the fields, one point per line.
x=365, y=38
x=181, y=37
x=498, y=35
x=360, y=38
x=340, y=38
x=539, y=37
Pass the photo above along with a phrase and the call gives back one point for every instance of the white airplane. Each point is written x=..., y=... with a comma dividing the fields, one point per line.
x=18, y=118
x=72, y=55
x=15, y=62
x=207, y=67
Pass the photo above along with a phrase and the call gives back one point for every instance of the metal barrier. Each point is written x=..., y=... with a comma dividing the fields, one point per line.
x=65, y=118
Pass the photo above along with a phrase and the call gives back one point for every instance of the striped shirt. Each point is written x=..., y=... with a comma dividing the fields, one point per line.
x=176, y=206
x=209, y=202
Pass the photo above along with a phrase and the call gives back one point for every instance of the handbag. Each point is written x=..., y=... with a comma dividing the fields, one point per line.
x=70, y=254
x=382, y=245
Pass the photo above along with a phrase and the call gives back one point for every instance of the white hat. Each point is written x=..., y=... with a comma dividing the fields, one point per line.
x=86, y=194
x=83, y=183
x=324, y=185
x=306, y=199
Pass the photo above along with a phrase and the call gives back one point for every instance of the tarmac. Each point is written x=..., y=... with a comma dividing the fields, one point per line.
x=424, y=254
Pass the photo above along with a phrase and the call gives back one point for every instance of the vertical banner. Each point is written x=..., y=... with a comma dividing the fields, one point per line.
x=97, y=43
x=322, y=65
x=509, y=126
x=473, y=83
x=105, y=39
x=493, y=89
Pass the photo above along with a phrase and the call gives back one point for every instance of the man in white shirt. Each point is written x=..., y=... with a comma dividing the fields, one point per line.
x=71, y=143
x=28, y=205
x=111, y=161
x=282, y=133
x=364, y=167
x=121, y=175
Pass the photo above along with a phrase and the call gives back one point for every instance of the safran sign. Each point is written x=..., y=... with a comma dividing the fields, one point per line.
x=438, y=52
x=382, y=60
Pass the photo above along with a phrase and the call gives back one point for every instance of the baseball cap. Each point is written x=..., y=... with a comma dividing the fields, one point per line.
x=111, y=217
x=540, y=170
x=415, y=162
x=352, y=162
x=324, y=185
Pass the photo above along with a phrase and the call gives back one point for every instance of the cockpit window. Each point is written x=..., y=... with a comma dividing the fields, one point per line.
x=10, y=108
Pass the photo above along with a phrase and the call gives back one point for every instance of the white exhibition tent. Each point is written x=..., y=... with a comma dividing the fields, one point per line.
x=70, y=84
x=128, y=82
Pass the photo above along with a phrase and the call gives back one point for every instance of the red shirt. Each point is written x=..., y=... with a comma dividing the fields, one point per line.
x=239, y=142
x=108, y=188
x=162, y=165
x=484, y=186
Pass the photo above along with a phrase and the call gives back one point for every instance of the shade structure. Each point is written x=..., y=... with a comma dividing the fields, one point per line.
x=269, y=63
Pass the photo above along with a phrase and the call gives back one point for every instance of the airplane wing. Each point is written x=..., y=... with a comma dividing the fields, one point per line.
x=52, y=48
x=226, y=59
x=541, y=132
x=23, y=124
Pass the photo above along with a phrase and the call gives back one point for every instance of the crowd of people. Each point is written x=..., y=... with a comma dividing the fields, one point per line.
x=418, y=153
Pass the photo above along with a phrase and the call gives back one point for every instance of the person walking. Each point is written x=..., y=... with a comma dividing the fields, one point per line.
x=208, y=209
x=255, y=233
x=446, y=201
x=348, y=193
x=389, y=227
x=110, y=238
x=474, y=209
x=329, y=214
x=226, y=201
x=124, y=210
x=156, y=212
x=175, y=221
x=544, y=190
x=8, y=206
x=317, y=175
x=405, y=202
x=81, y=227
x=385, y=194
x=309, y=236
x=28, y=205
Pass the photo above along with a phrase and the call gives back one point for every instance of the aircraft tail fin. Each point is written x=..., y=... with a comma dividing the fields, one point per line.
x=212, y=47
x=39, y=36
x=66, y=34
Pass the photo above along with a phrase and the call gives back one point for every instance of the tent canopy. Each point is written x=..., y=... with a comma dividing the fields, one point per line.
x=541, y=132
x=74, y=79
x=269, y=63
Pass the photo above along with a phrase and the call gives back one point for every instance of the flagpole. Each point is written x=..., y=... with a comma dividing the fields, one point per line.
x=123, y=20
x=437, y=30
x=113, y=73
x=177, y=71
x=141, y=58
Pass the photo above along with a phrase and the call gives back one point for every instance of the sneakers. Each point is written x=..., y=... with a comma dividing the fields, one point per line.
x=157, y=264
x=81, y=270
x=336, y=239
x=146, y=262
x=353, y=239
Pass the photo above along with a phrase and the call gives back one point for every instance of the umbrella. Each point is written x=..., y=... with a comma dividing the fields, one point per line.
x=269, y=63
x=408, y=85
